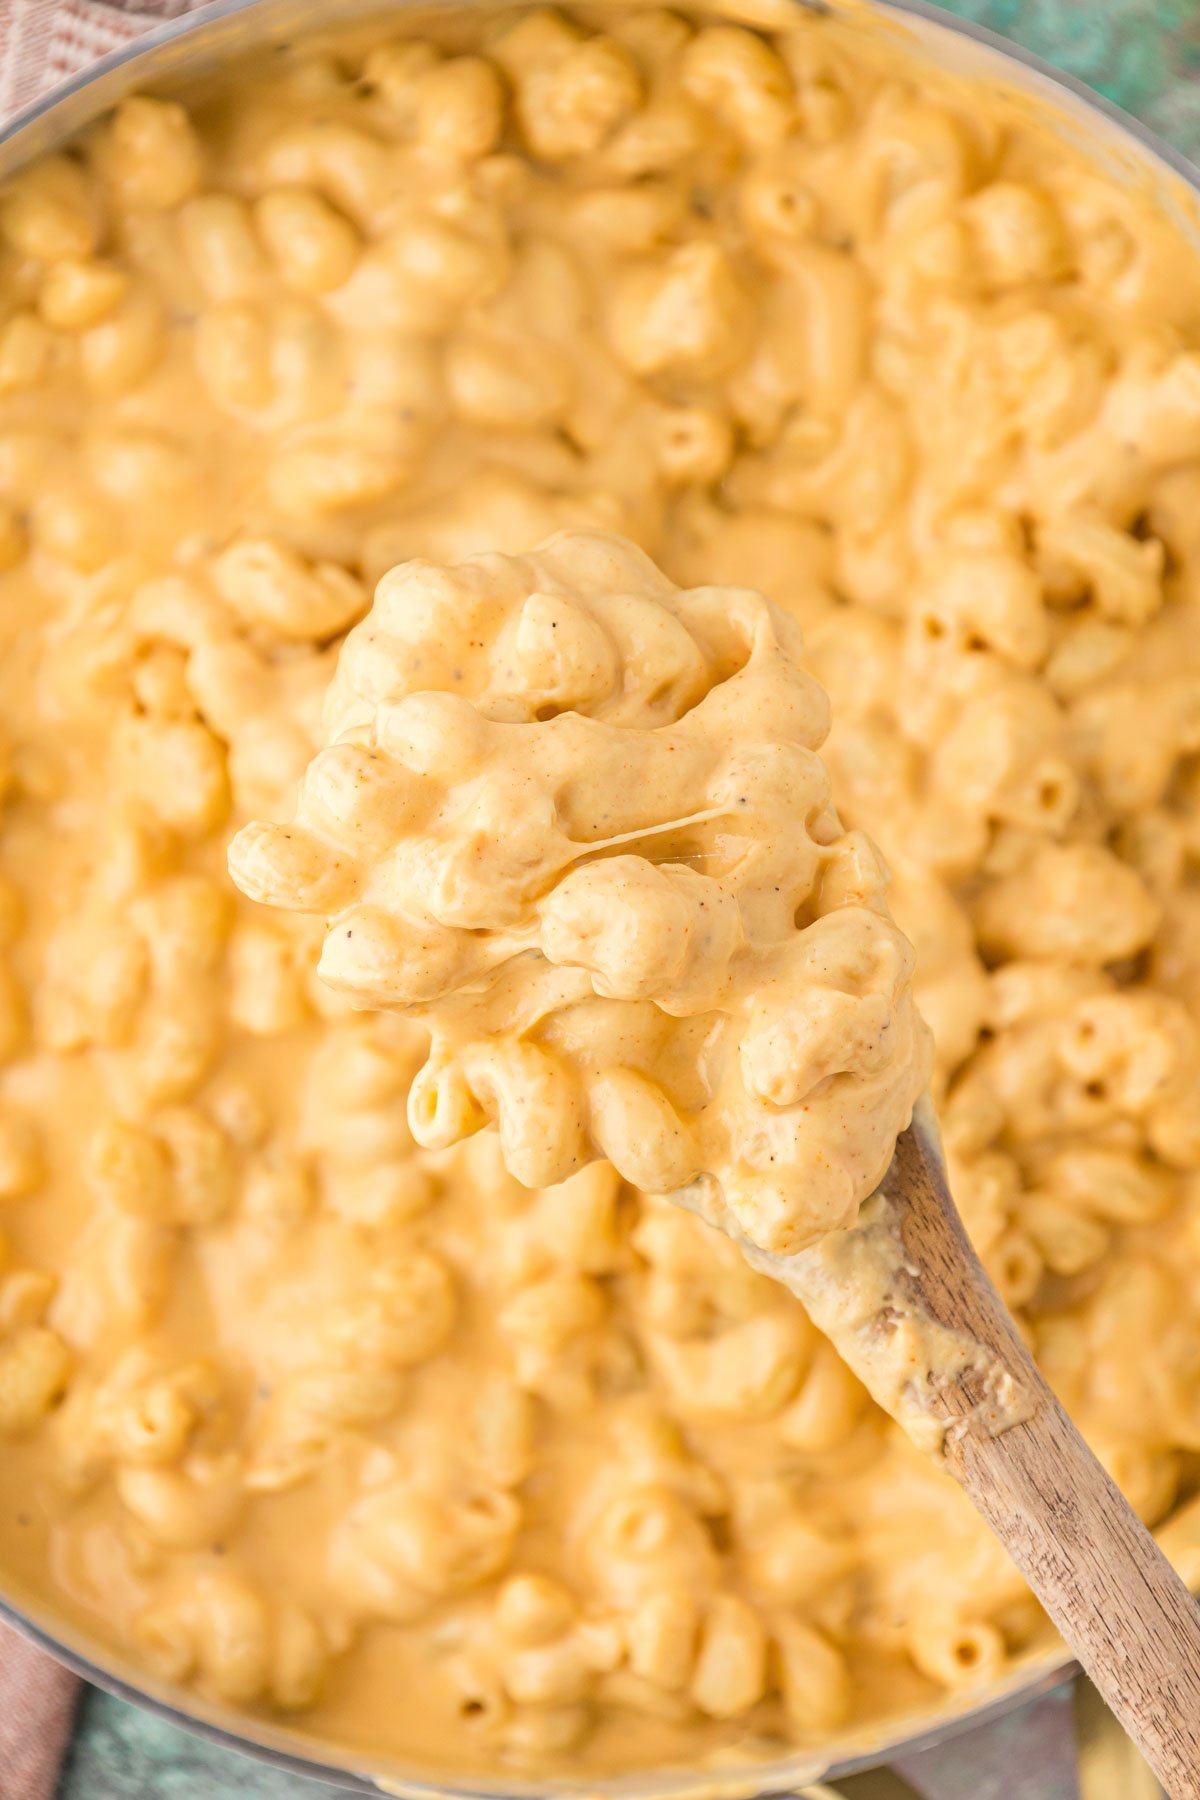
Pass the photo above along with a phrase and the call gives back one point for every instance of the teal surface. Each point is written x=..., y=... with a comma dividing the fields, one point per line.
x=1145, y=55
x=123, y=1753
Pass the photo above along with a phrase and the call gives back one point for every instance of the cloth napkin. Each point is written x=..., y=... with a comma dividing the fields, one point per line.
x=38, y=1697
x=42, y=43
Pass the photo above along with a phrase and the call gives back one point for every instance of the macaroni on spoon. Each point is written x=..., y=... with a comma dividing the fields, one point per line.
x=575, y=819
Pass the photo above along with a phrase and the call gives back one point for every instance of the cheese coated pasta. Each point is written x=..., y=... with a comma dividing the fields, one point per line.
x=576, y=818
x=443, y=1448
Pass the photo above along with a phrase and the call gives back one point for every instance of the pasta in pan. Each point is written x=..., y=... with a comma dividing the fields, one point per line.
x=332, y=1423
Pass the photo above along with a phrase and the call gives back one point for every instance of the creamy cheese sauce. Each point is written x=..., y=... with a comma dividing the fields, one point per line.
x=444, y=1468
x=573, y=818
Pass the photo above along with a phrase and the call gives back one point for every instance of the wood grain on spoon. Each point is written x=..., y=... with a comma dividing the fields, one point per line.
x=1001, y=1432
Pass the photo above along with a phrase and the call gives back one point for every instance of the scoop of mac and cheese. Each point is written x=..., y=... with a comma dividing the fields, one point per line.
x=575, y=817
x=548, y=1482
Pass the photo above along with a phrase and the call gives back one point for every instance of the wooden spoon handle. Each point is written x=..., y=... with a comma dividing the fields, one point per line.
x=1091, y=1562
x=936, y=1346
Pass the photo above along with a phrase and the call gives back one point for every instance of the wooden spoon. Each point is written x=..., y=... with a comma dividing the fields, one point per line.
x=905, y=1300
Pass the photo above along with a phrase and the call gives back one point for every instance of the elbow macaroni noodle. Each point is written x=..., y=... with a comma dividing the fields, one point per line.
x=722, y=1000
x=453, y=1467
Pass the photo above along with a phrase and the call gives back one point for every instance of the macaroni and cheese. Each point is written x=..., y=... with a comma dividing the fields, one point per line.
x=722, y=1001
x=447, y=1469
